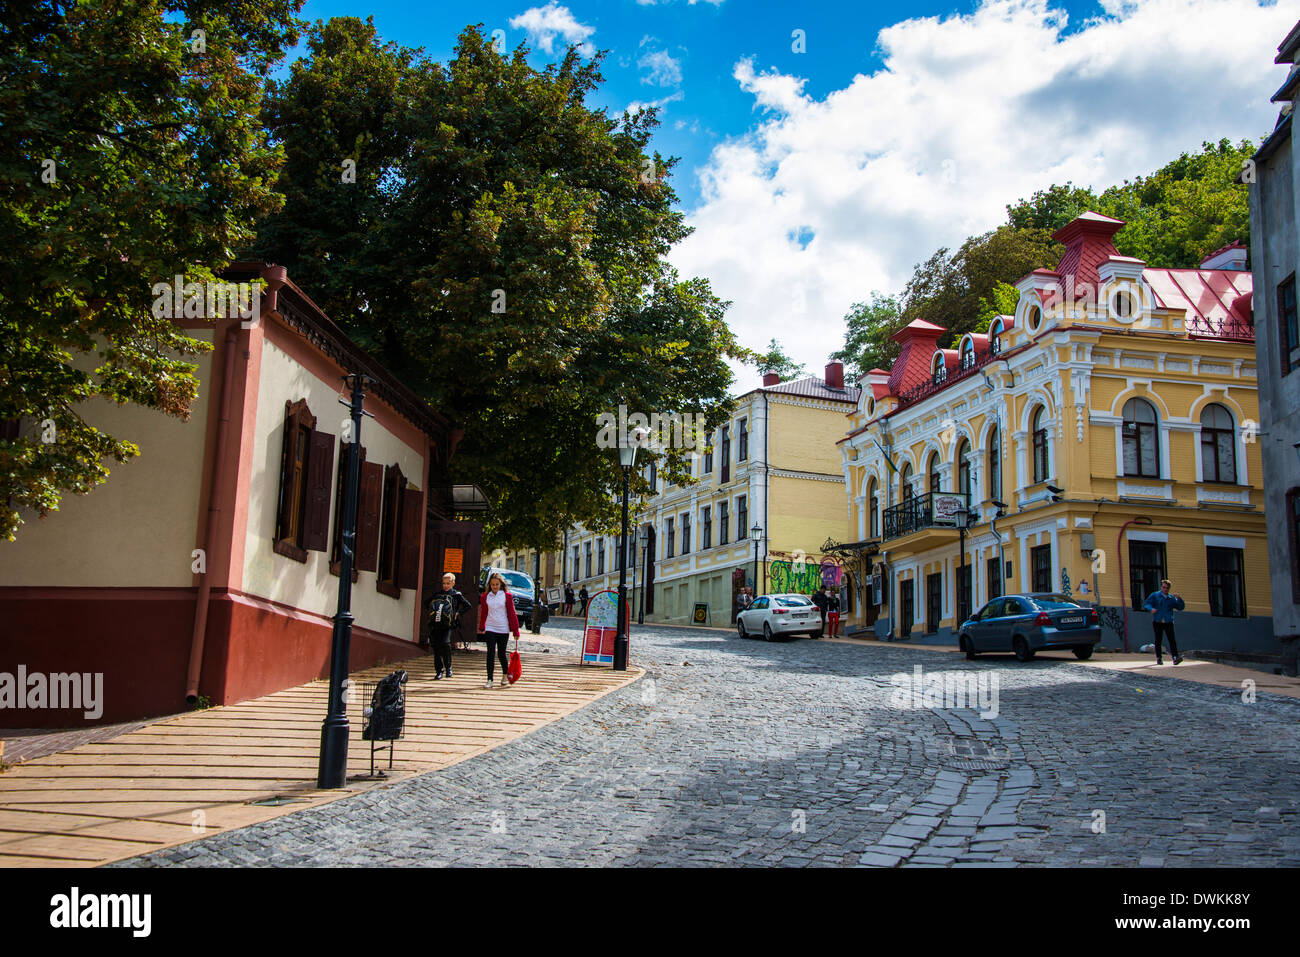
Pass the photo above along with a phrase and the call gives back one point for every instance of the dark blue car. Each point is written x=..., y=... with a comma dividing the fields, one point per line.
x=1027, y=624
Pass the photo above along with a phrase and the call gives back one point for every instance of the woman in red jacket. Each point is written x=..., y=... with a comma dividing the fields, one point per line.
x=496, y=622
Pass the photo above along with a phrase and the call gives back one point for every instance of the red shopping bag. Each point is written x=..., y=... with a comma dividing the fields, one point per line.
x=516, y=667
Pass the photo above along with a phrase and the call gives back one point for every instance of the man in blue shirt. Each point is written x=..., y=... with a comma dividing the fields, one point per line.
x=1162, y=605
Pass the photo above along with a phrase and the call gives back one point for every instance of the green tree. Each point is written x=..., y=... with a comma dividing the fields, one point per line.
x=131, y=153
x=1001, y=301
x=775, y=360
x=867, y=342
x=951, y=289
x=502, y=250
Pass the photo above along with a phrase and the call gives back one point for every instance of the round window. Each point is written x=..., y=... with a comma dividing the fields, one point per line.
x=871, y=406
x=1035, y=318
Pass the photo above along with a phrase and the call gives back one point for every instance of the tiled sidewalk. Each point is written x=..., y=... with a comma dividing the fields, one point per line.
x=128, y=790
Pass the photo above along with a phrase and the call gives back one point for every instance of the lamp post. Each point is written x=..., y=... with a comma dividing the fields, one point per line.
x=643, y=537
x=756, y=533
x=332, y=769
x=964, y=516
x=626, y=458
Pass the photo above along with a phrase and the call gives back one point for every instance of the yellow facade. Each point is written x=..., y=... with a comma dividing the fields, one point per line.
x=1115, y=490
x=785, y=473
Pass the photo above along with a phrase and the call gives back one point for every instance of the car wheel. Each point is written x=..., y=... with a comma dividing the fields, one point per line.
x=767, y=632
x=1022, y=649
x=1083, y=652
x=740, y=629
x=968, y=646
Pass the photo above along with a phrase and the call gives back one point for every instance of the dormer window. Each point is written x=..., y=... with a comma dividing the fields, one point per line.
x=967, y=353
x=940, y=368
x=995, y=337
x=1035, y=317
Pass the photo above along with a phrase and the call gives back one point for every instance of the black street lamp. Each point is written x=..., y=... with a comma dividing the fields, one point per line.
x=626, y=458
x=644, y=538
x=332, y=770
x=756, y=533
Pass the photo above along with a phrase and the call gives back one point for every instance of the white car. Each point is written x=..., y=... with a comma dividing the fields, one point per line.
x=776, y=616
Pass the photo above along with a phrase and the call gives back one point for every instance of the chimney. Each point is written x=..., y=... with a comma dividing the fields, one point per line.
x=771, y=378
x=835, y=375
x=1229, y=257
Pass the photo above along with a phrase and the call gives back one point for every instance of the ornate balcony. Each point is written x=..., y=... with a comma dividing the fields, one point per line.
x=929, y=510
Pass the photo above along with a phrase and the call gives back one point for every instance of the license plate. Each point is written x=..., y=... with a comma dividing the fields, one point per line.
x=800, y=614
x=1072, y=621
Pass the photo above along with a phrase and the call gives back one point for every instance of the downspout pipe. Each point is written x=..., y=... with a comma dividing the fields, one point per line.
x=199, y=634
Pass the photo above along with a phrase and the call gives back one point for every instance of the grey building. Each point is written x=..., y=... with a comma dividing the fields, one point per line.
x=1274, y=181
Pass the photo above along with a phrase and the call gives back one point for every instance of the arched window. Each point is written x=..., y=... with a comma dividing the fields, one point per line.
x=934, y=472
x=1141, y=439
x=939, y=368
x=906, y=479
x=995, y=337
x=967, y=353
x=1218, y=445
x=873, y=505
x=995, y=464
x=1039, y=431
x=963, y=469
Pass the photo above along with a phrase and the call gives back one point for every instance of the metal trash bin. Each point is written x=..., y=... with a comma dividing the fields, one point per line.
x=385, y=715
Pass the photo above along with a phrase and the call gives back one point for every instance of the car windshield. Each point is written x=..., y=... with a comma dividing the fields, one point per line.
x=1051, y=602
x=792, y=601
x=516, y=582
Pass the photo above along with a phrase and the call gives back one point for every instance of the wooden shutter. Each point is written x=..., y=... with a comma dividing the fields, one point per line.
x=408, y=541
x=372, y=480
x=320, y=483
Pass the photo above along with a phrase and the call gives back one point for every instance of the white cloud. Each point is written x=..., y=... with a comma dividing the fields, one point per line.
x=660, y=103
x=664, y=69
x=545, y=24
x=968, y=114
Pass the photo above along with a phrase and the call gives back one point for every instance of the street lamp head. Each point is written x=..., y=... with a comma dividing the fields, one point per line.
x=635, y=439
x=756, y=532
x=643, y=536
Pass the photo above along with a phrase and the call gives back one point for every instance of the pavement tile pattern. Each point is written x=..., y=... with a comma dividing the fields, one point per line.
x=732, y=752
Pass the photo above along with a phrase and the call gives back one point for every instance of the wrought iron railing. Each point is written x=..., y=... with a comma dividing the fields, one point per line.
x=930, y=386
x=924, y=511
x=1226, y=328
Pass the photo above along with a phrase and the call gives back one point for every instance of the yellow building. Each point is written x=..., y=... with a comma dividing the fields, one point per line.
x=772, y=476
x=1097, y=441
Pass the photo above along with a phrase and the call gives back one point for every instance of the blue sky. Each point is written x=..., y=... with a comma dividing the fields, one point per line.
x=813, y=178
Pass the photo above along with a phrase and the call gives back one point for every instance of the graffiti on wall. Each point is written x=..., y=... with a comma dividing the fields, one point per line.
x=803, y=577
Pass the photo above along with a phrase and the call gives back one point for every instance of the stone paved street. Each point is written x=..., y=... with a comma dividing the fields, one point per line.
x=796, y=754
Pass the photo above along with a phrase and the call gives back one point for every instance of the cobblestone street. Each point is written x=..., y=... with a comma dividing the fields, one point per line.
x=796, y=753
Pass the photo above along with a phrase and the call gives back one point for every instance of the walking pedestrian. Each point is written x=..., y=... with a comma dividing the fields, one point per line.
x=445, y=609
x=497, y=621
x=568, y=598
x=1162, y=604
x=833, y=613
x=584, y=598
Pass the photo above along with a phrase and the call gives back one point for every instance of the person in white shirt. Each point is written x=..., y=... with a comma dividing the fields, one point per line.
x=496, y=623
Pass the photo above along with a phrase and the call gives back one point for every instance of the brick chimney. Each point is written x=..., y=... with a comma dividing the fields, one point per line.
x=771, y=378
x=835, y=375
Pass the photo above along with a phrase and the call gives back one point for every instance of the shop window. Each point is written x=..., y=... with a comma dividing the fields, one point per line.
x=1227, y=589
x=1146, y=562
x=1040, y=563
x=995, y=577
